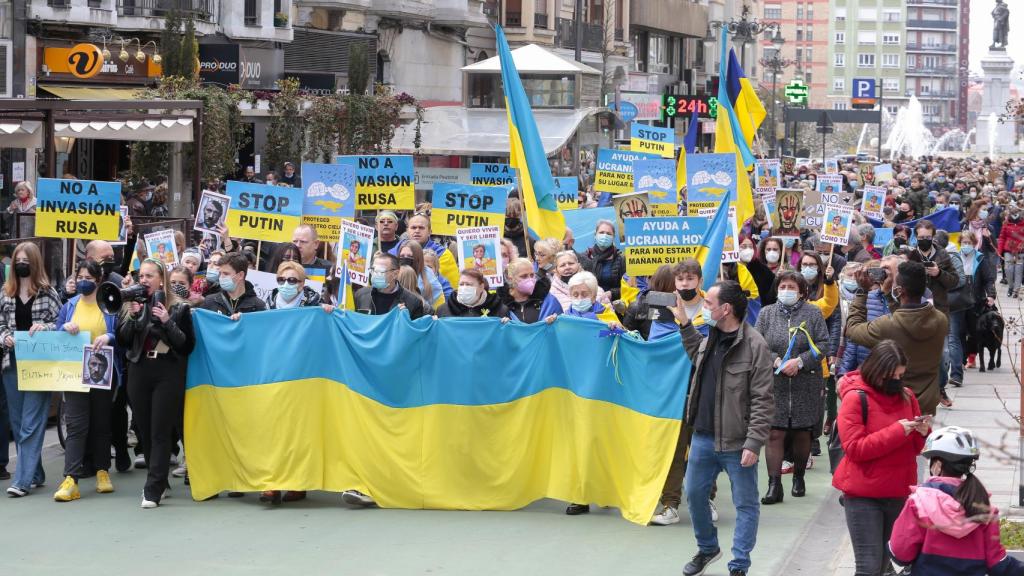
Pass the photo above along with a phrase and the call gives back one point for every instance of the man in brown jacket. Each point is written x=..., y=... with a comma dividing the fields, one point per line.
x=730, y=408
x=939, y=272
x=918, y=327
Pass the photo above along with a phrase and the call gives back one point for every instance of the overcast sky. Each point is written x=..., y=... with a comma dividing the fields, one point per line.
x=981, y=31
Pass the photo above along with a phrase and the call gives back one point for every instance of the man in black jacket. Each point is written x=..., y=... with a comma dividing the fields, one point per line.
x=384, y=292
x=236, y=295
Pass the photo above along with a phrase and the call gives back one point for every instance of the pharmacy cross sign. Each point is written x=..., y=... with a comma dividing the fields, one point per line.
x=796, y=92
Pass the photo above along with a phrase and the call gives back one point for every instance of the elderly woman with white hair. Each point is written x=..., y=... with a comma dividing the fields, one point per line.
x=567, y=265
x=583, y=291
x=24, y=203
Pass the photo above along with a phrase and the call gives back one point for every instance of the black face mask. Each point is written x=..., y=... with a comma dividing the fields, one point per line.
x=687, y=294
x=511, y=222
x=898, y=242
x=892, y=386
x=22, y=270
x=924, y=244
x=565, y=278
x=406, y=261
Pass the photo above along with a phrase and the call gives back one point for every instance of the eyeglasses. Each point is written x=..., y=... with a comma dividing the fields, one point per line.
x=281, y=280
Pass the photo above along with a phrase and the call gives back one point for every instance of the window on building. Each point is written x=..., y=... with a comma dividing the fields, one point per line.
x=890, y=60
x=540, y=13
x=892, y=110
x=866, y=60
x=892, y=15
x=891, y=38
x=870, y=14
x=891, y=84
x=252, y=13
x=659, y=58
x=808, y=78
x=514, y=13
x=839, y=105
x=799, y=54
x=840, y=37
x=808, y=54
x=932, y=109
x=809, y=35
x=839, y=84
x=772, y=12
x=800, y=34
x=810, y=11
x=866, y=37
x=799, y=11
x=839, y=60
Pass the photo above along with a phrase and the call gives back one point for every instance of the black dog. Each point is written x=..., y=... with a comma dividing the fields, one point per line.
x=990, y=337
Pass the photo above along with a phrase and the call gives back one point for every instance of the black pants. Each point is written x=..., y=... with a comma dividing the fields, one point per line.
x=157, y=390
x=870, y=522
x=88, y=420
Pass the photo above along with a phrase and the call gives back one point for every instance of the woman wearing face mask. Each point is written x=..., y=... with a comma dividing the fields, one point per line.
x=427, y=284
x=604, y=260
x=881, y=433
x=88, y=413
x=1011, y=247
x=900, y=235
x=583, y=292
x=473, y=299
x=158, y=338
x=770, y=251
x=27, y=302
x=24, y=203
x=207, y=282
x=981, y=266
x=976, y=218
x=526, y=296
x=544, y=255
x=798, y=339
x=291, y=291
x=514, y=224
x=567, y=264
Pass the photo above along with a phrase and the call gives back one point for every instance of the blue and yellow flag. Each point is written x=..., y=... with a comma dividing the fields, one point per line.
x=710, y=254
x=543, y=218
x=947, y=219
x=457, y=414
x=729, y=138
x=748, y=107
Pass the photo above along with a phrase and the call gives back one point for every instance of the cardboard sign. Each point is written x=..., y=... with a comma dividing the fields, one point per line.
x=122, y=234
x=262, y=212
x=466, y=206
x=635, y=205
x=867, y=173
x=788, y=209
x=212, y=212
x=731, y=244
x=356, y=246
x=873, y=202
x=81, y=209
x=480, y=248
x=383, y=182
x=98, y=367
x=160, y=245
x=831, y=166
x=653, y=242
x=883, y=173
x=837, y=225
x=652, y=140
x=566, y=193
x=330, y=196
x=615, y=170
x=487, y=174
x=50, y=361
x=767, y=176
x=710, y=177
x=657, y=178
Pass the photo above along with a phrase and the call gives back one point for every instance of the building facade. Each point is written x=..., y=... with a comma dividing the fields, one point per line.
x=803, y=26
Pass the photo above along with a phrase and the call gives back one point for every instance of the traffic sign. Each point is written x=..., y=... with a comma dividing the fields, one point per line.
x=864, y=93
x=797, y=92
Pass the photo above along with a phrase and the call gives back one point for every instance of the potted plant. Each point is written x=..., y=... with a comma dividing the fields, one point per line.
x=280, y=20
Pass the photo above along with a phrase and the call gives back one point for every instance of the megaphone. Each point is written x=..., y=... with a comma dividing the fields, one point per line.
x=110, y=297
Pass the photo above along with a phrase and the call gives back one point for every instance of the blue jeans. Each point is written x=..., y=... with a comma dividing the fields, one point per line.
x=28, y=424
x=702, y=470
x=5, y=426
x=954, y=344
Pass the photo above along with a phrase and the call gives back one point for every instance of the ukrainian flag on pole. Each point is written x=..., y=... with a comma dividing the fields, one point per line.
x=729, y=137
x=543, y=218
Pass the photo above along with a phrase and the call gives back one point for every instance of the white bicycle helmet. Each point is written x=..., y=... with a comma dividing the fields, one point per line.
x=951, y=443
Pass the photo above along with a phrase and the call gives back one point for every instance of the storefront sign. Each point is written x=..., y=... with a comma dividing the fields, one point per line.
x=315, y=84
x=84, y=62
x=251, y=68
x=427, y=176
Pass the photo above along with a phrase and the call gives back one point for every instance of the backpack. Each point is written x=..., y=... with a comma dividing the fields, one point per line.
x=835, y=445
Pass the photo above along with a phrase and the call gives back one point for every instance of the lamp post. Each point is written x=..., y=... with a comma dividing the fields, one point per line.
x=776, y=64
x=743, y=31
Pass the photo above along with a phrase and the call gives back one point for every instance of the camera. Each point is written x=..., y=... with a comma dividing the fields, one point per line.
x=878, y=275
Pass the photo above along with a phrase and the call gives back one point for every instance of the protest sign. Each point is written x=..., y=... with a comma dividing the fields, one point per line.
x=122, y=234
x=710, y=177
x=566, y=193
x=882, y=237
x=383, y=182
x=837, y=224
x=50, y=361
x=866, y=171
x=584, y=222
x=635, y=205
x=330, y=191
x=786, y=217
x=657, y=178
x=883, y=173
x=467, y=206
x=652, y=140
x=480, y=249
x=731, y=243
x=653, y=242
x=160, y=245
x=767, y=176
x=212, y=212
x=615, y=170
x=262, y=212
x=788, y=164
x=82, y=209
x=487, y=174
x=356, y=245
x=98, y=367
x=769, y=203
x=831, y=166
x=873, y=202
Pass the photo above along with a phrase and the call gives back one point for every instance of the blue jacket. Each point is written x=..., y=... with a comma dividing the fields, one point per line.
x=67, y=312
x=595, y=309
x=855, y=354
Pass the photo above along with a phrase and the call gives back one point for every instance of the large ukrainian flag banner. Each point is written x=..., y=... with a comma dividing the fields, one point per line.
x=466, y=414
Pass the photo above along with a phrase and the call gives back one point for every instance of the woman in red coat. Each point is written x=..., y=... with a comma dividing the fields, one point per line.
x=1011, y=248
x=881, y=445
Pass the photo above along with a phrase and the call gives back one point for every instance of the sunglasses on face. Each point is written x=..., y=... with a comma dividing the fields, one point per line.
x=281, y=280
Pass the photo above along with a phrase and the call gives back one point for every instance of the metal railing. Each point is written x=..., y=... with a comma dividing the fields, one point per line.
x=941, y=24
x=932, y=2
x=540, y=20
x=931, y=47
x=198, y=9
x=931, y=70
x=565, y=35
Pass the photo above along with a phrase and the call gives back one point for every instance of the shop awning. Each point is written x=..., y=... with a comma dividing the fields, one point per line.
x=23, y=134
x=159, y=129
x=92, y=93
x=459, y=131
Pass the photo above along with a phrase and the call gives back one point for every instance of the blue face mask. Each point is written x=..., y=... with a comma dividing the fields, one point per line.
x=705, y=314
x=379, y=280
x=227, y=283
x=983, y=214
x=967, y=249
x=85, y=287
x=602, y=240
x=288, y=291
x=212, y=274
x=582, y=305
x=810, y=273
x=850, y=285
x=789, y=242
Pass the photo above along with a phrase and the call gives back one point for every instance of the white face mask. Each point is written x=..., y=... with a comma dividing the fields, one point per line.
x=772, y=256
x=788, y=297
x=746, y=255
x=466, y=295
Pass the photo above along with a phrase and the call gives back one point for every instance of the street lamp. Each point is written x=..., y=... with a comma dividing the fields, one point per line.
x=743, y=31
x=776, y=64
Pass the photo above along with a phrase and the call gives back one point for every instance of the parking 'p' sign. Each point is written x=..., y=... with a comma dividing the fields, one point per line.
x=864, y=93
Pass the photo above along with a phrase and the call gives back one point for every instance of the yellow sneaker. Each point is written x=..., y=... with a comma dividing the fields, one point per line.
x=103, y=483
x=68, y=491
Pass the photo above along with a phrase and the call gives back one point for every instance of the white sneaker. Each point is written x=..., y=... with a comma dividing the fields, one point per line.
x=787, y=467
x=133, y=440
x=357, y=498
x=666, y=517
x=714, y=511
x=810, y=462
x=180, y=471
x=140, y=462
x=148, y=504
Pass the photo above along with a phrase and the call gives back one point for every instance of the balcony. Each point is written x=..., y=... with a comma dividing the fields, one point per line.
x=201, y=10
x=915, y=47
x=948, y=3
x=932, y=24
x=565, y=35
x=932, y=95
x=540, y=21
x=931, y=70
x=513, y=19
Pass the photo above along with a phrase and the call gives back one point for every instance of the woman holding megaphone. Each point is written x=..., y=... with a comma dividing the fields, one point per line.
x=157, y=334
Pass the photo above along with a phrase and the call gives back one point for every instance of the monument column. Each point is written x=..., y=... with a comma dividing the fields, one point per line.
x=997, y=67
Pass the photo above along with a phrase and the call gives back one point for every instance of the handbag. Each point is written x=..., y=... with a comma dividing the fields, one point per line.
x=962, y=298
x=835, y=445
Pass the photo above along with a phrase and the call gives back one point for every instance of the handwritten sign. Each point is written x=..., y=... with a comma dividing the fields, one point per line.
x=383, y=182
x=262, y=212
x=466, y=206
x=84, y=209
x=50, y=361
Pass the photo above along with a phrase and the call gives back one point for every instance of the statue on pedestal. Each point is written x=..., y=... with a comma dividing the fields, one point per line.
x=1000, y=26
